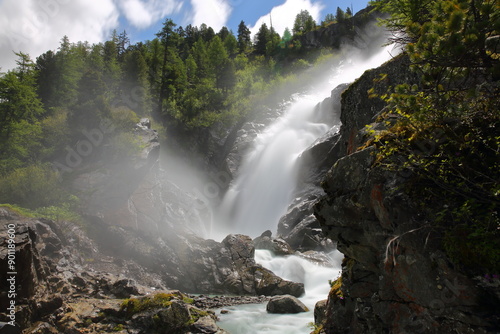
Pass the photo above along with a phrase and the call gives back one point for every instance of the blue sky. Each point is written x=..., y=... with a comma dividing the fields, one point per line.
x=35, y=26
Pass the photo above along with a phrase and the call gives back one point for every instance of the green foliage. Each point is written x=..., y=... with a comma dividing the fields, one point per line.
x=118, y=328
x=124, y=118
x=125, y=145
x=31, y=187
x=446, y=129
x=303, y=23
x=329, y=19
x=20, y=111
x=59, y=213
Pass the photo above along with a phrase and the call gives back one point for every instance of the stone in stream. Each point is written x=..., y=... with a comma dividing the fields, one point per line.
x=285, y=304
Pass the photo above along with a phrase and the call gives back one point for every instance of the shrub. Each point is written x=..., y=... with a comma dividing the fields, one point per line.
x=31, y=187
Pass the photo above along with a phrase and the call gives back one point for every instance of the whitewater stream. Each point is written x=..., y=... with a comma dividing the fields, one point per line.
x=264, y=188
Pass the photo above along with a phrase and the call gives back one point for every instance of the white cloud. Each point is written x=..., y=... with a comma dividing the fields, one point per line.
x=283, y=16
x=35, y=26
x=214, y=13
x=144, y=13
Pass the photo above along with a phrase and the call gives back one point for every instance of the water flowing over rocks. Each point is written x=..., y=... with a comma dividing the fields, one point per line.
x=395, y=277
x=298, y=226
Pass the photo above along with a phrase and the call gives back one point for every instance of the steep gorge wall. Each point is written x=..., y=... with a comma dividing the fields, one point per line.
x=395, y=277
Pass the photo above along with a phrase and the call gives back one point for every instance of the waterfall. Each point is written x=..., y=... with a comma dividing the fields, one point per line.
x=263, y=189
x=266, y=181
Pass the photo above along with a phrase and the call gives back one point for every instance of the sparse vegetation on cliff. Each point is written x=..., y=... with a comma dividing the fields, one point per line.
x=444, y=131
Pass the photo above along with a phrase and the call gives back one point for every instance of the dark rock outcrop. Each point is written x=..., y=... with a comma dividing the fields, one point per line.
x=285, y=304
x=395, y=276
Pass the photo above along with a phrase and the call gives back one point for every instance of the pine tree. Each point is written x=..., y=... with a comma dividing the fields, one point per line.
x=329, y=18
x=340, y=15
x=165, y=37
x=303, y=23
x=244, y=40
x=261, y=39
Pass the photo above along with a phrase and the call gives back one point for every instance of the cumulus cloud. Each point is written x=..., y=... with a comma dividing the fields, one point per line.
x=35, y=26
x=142, y=14
x=214, y=13
x=283, y=16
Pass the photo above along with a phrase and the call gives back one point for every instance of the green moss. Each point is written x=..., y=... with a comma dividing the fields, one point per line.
x=118, y=328
x=336, y=289
x=316, y=329
x=188, y=300
x=133, y=306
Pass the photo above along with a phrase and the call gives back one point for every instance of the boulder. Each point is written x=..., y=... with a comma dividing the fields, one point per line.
x=285, y=304
x=175, y=317
x=276, y=245
x=268, y=284
x=206, y=325
x=124, y=288
x=320, y=312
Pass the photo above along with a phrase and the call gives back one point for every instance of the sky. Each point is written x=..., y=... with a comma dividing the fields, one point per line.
x=36, y=26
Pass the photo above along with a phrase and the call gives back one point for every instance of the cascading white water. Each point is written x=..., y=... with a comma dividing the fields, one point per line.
x=266, y=180
x=261, y=193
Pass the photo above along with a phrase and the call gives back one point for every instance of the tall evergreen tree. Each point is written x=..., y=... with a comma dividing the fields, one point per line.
x=244, y=40
x=262, y=37
x=165, y=37
x=69, y=66
x=340, y=16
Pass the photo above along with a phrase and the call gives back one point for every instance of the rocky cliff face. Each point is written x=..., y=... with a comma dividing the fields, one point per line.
x=395, y=276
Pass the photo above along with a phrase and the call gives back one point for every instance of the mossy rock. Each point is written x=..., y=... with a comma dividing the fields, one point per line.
x=133, y=306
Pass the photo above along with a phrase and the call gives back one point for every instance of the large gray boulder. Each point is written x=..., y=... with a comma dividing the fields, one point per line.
x=285, y=304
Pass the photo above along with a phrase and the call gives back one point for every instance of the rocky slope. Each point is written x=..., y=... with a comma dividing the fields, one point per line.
x=138, y=227
x=66, y=281
x=395, y=275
